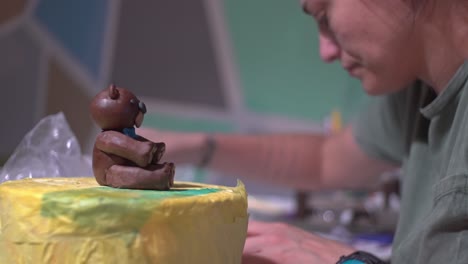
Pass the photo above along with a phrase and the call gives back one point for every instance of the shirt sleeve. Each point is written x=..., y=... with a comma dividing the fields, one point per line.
x=380, y=129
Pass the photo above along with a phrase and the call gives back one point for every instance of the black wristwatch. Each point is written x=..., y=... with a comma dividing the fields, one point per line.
x=360, y=257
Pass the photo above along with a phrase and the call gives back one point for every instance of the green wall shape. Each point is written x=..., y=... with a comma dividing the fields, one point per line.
x=275, y=48
x=177, y=123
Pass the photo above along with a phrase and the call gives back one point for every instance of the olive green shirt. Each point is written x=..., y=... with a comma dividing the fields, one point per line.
x=428, y=136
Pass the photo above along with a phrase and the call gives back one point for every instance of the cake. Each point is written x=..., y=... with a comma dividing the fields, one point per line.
x=75, y=220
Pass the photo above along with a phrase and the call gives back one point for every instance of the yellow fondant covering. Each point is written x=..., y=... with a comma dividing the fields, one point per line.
x=74, y=220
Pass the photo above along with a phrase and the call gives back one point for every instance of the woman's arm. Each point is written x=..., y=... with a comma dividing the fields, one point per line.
x=301, y=161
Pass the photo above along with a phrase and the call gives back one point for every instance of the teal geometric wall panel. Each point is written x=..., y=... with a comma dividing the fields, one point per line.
x=177, y=123
x=276, y=52
x=79, y=26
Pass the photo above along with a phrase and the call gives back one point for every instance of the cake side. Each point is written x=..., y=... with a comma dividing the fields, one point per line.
x=73, y=220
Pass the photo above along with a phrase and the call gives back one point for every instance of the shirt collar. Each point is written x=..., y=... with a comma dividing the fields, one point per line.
x=455, y=84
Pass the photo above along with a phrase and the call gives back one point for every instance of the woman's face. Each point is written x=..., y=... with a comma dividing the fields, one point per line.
x=376, y=41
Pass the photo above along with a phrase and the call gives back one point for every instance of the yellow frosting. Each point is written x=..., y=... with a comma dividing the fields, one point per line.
x=74, y=220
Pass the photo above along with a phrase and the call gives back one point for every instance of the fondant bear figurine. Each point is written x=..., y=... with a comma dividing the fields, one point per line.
x=122, y=159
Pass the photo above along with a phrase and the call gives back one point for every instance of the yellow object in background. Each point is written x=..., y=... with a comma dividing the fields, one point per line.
x=336, y=121
x=74, y=220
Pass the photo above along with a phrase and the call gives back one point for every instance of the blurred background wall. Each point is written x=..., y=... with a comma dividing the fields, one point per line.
x=206, y=65
x=210, y=65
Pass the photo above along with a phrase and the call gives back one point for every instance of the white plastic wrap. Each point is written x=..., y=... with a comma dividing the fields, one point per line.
x=50, y=149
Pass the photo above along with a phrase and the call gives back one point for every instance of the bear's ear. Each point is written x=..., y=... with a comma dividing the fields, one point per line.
x=113, y=92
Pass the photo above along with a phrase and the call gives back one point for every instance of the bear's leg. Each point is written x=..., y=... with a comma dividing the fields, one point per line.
x=153, y=177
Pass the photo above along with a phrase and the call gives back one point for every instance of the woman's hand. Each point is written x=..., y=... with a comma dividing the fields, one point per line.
x=276, y=243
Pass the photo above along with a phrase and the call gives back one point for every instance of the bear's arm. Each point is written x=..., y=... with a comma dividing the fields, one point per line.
x=139, y=152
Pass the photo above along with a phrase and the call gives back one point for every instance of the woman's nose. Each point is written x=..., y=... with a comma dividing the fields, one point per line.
x=329, y=50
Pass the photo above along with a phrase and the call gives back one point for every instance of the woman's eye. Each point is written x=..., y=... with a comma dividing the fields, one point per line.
x=323, y=21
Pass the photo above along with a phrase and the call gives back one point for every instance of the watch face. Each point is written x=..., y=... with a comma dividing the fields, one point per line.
x=360, y=257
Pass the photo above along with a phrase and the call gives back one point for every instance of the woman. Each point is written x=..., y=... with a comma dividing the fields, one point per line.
x=412, y=54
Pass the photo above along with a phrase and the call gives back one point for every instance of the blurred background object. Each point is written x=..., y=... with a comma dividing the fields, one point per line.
x=201, y=65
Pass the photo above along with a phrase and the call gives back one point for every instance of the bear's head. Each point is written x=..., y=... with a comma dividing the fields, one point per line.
x=115, y=108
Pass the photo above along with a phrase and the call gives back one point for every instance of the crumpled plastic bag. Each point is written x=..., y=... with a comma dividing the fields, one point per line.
x=50, y=149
